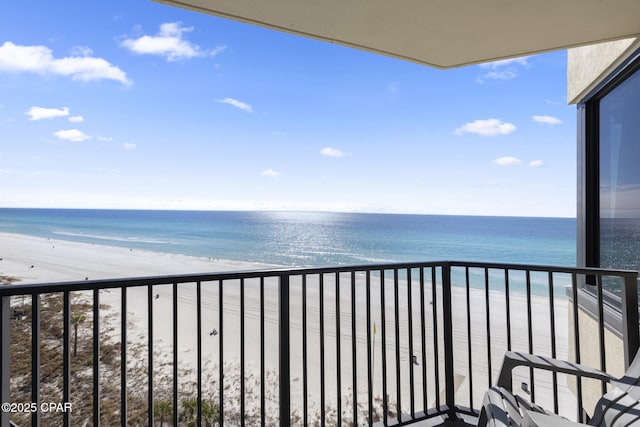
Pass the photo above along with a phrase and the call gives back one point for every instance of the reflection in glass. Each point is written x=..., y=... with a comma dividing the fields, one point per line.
x=620, y=176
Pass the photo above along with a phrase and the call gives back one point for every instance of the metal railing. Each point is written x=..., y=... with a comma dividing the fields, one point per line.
x=373, y=344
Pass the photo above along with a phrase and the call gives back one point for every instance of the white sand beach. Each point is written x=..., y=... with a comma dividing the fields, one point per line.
x=39, y=260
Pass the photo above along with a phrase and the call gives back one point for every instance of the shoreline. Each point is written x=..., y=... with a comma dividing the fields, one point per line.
x=42, y=260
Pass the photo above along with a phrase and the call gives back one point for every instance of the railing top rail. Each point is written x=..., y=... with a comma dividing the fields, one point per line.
x=546, y=268
x=87, y=285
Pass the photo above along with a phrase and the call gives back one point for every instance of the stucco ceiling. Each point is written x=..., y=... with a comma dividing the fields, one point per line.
x=439, y=33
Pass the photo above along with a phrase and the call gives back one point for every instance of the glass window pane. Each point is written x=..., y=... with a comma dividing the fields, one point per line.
x=620, y=176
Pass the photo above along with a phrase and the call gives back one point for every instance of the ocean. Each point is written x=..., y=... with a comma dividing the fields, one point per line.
x=309, y=239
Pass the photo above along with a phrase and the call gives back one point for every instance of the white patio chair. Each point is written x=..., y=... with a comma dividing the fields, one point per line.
x=618, y=407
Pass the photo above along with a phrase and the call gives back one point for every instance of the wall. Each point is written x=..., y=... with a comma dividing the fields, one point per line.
x=588, y=65
x=590, y=356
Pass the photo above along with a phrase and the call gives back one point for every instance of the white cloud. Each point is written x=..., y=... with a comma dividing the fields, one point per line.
x=504, y=69
x=39, y=113
x=489, y=127
x=129, y=146
x=81, y=51
x=505, y=62
x=104, y=138
x=72, y=135
x=332, y=152
x=88, y=68
x=270, y=172
x=550, y=120
x=169, y=42
x=40, y=60
x=499, y=75
x=507, y=161
x=238, y=104
x=536, y=163
x=76, y=119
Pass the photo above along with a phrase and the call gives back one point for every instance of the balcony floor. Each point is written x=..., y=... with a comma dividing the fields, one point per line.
x=464, y=420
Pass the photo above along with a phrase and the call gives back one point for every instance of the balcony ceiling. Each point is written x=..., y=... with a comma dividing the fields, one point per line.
x=439, y=33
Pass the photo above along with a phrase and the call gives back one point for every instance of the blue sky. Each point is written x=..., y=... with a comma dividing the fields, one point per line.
x=135, y=104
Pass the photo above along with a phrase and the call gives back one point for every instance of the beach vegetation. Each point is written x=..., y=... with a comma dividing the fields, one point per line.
x=51, y=335
x=52, y=361
x=7, y=280
x=76, y=320
x=189, y=412
x=163, y=409
x=210, y=413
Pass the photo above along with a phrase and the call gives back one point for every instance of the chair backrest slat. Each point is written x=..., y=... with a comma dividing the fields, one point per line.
x=622, y=410
x=630, y=382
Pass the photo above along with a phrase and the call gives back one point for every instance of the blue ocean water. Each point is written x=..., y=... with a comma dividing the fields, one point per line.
x=310, y=239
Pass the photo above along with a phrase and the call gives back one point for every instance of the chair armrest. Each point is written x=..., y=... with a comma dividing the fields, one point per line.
x=513, y=359
x=545, y=419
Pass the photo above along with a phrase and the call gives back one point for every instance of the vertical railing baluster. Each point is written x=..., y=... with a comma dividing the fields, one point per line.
x=603, y=359
x=262, y=355
x=411, y=355
x=35, y=357
x=423, y=340
x=338, y=355
x=66, y=355
x=322, y=385
x=576, y=337
x=383, y=333
x=123, y=357
x=96, y=357
x=150, y=387
x=436, y=346
x=396, y=319
x=175, y=352
x=507, y=296
x=488, y=320
x=305, y=407
x=199, y=350
x=552, y=318
x=447, y=318
x=285, y=350
x=242, y=350
x=221, y=355
x=354, y=364
x=5, y=357
x=469, y=335
x=371, y=349
x=532, y=388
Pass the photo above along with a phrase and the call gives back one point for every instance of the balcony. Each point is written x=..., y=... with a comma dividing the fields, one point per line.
x=392, y=344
